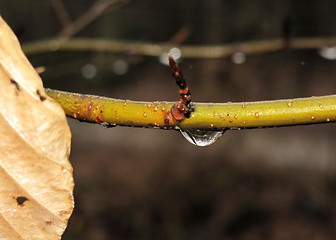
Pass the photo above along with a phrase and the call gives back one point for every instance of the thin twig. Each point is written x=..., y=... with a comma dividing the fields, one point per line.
x=188, y=51
x=181, y=35
x=98, y=8
x=61, y=12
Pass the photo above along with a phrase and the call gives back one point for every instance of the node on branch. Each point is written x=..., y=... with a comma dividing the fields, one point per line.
x=182, y=109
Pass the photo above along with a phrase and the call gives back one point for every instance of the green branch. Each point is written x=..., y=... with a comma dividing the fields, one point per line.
x=205, y=116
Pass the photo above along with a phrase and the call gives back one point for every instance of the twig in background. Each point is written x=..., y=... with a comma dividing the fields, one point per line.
x=181, y=35
x=188, y=51
x=61, y=12
x=98, y=8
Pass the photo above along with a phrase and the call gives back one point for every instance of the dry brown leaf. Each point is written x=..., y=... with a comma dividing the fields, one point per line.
x=36, y=182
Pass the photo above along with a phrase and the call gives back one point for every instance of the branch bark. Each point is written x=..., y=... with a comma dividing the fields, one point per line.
x=206, y=116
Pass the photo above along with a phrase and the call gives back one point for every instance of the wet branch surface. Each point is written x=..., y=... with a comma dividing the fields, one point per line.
x=206, y=116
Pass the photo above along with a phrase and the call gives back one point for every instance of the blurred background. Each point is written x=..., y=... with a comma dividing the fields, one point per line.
x=132, y=183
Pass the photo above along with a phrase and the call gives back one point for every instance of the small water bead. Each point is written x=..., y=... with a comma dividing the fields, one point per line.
x=312, y=118
x=163, y=108
x=125, y=102
x=321, y=106
x=155, y=109
x=120, y=67
x=328, y=52
x=257, y=114
x=243, y=106
x=145, y=114
x=211, y=125
x=201, y=138
x=236, y=116
x=238, y=57
x=289, y=104
x=328, y=119
x=89, y=71
x=149, y=105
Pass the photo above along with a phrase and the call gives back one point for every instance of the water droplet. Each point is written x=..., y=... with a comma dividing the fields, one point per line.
x=328, y=119
x=201, y=138
x=328, y=53
x=149, y=105
x=211, y=125
x=53, y=45
x=145, y=114
x=125, y=102
x=236, y=116
x=176, y=53
x=89, y=71
x=289, y=104
x=321, y=106
x=257, y=114
x=243, y=106
x=163, y=108
x=120, y=67
x=155, y=109
x=238, y=57
x=312, y=118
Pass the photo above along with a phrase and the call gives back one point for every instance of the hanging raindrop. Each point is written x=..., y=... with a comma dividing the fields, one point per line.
x=201, y=138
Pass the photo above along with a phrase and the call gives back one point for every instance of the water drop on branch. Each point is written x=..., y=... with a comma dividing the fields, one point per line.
x=201, y=138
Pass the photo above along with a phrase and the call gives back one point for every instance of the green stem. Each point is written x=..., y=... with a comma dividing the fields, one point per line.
x=206, y=116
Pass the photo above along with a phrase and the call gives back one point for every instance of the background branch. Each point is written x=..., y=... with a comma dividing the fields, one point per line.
x=98, y=8
x=188, y=51
x=61, y=12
